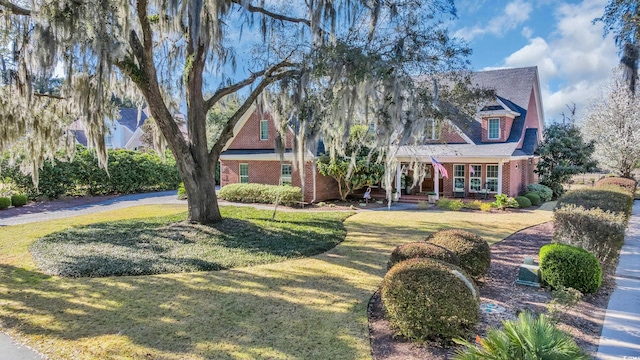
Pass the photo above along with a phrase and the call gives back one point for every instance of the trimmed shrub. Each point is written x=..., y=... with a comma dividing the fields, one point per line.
x=5, y=202
x=570, y=266
x=534, y=198
x=523, y=202
x=627, y=184
x=449, y=204
x=422, y=249
x=543, y=191
x=608, y=198
x=597, y=231
x=527, y=337
x=261, y=194
x=182, y=192
x=471, y=249
x=426, y=299
x=18, y=200
x=504, y=201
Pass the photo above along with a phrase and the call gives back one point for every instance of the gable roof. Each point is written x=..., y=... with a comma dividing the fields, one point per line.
x=513, y=88
x=129, y=118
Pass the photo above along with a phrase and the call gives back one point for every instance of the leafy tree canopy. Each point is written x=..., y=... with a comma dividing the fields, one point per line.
x=563, y=153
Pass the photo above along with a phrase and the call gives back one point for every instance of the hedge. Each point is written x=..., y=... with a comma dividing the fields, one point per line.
x=570, y=266
x=18, y=200
x=261, y=193
x=608, y=198
x=5, y=202
x=595, y=230
x=128, y=172
x=627, y=184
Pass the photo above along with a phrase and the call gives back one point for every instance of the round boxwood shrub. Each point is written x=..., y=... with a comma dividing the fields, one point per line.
x=471, y=249
x=543, y=191
x=18, y=200
x=570, y=266
x=523, y=202
x=534, y=198
x=426, y=299
x=5, y=202
x=422, y=249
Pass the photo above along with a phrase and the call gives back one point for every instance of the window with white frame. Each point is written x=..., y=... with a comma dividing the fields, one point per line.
x=458, y=177
x=285, y=173
x=244, y=173
x=475, y=177
x=492, y=178
x=108, y=140
x=432, y=130
x=264, y=130
x=494, y=129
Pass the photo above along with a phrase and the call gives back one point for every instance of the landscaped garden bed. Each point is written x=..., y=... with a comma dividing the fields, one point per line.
x=583, y=322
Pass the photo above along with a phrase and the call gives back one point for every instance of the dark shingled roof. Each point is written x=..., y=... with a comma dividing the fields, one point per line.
x=80, y=136
x=529, y=144
x=129, y=118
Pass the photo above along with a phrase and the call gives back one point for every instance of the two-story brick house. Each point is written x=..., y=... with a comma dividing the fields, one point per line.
x=492, y=152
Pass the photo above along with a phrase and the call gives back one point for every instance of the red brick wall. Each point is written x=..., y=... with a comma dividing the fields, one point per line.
x=505, y=128
x=249, y=135
x=506, y=178
x=268, y=172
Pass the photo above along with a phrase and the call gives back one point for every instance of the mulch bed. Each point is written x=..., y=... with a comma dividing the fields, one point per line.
x=584, y=321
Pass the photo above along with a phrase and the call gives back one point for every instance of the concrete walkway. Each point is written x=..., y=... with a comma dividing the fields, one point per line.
x=620, y=337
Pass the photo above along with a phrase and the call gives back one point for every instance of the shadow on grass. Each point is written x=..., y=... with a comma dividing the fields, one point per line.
x=216, y=315
x=168, y=245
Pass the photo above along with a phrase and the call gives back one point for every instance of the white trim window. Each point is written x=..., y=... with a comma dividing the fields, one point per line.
x=264, y=130
x=492, y=178
x=458, y=176
x=475, y=178
x=432, y=130
x=285, y=174
x=243, y=171
x=493, y=129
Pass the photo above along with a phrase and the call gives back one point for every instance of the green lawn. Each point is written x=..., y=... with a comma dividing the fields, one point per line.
x=309, y=308
x=168, y=244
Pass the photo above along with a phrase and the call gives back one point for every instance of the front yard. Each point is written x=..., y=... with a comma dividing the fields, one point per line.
x=305, y=308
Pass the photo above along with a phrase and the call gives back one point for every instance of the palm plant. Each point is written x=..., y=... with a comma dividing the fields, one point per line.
x=527, y=338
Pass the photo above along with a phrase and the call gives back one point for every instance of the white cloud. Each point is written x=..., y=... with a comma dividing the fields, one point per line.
x=513, y=15
x=575, y=58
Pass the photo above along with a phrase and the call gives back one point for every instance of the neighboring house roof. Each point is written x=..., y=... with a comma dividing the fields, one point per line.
x=129, y=118
x=80, y=136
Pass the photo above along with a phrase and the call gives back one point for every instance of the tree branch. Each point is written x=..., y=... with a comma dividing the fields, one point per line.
x=15, y=9
x=271, y=14
x=227, y=132
x=220, y=93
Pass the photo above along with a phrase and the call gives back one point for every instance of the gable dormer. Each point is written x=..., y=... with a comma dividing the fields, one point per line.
x=496, y=119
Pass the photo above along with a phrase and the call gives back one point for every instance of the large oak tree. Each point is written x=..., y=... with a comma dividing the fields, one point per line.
x=317, y=65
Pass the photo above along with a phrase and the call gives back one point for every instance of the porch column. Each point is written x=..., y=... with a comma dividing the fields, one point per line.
x=398, y=177
x=436, y=182
x=500, y=177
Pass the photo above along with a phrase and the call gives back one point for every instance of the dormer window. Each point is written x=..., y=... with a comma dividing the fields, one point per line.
x=494, y=129
x=264, y=130
x=432, y=130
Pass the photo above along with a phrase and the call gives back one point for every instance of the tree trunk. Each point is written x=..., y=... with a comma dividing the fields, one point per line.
x=201, y=197
x=629, y=63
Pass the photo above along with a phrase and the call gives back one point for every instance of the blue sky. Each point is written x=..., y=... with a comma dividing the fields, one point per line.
x=573, y=58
